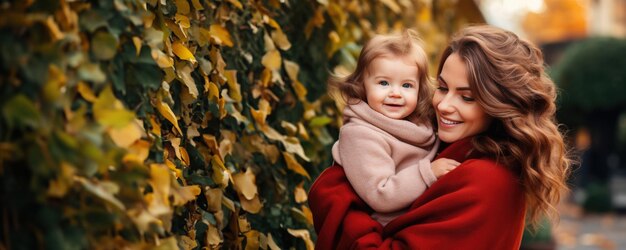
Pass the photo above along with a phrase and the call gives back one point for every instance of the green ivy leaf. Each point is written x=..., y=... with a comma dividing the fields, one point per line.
x=91, y=20
x=104, y=45
x=320, y=121
x=21, y=112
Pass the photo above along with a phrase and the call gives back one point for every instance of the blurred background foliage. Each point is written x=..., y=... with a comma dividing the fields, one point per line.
x=184, y=124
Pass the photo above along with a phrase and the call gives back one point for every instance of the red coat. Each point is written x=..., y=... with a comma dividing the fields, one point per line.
x=479, y=205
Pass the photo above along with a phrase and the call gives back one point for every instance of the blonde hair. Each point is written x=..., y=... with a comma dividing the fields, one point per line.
x=408, y=45
x=507, y=77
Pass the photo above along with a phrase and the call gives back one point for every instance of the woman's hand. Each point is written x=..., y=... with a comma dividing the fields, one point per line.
x=442, y=166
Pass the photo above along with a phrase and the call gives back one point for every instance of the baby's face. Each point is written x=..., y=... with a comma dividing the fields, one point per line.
x=391, y=86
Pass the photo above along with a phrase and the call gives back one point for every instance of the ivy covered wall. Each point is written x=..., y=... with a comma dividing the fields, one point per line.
x=178, y=123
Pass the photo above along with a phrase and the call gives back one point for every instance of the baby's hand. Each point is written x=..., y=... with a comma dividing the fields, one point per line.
x=442, y=166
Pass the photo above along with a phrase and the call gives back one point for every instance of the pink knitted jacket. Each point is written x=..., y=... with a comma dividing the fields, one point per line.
x=387, y=161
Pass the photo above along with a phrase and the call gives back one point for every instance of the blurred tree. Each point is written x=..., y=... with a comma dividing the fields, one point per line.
x=593, y=82
x=560, y=20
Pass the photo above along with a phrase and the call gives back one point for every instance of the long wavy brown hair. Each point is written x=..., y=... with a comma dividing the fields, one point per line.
x=404, y=45
x=507, y=77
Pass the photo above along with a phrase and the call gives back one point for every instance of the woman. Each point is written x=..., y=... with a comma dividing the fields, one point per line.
x=495, y=106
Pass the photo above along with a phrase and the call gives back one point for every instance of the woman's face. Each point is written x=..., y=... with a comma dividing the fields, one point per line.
x=458, y=114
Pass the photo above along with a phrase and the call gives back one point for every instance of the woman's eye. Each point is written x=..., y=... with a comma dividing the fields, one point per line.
x=442, y=89
x=384, y=83
x=468, y=99
x=407, y=85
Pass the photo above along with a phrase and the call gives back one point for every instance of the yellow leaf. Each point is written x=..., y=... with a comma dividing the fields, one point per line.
x=226, y=147
x=156, y=128
x=304, y=235
x=292, y=145
x=252, y=206
x=182, y=7
x=184, y=73
x=160, y=181
x=105, y=190
x=52, y=26
x=293, y=69
x=137, y=152
x=294, y=165
x=244, y=225
x=221, y=35
x=391, y=4
x=173, y=168
x=175, y=142
x=182, y=52
x=216, y=57
x=234, y=89
x=236, y=3
x=109, y=111
x=271, y=22
x=197, y=5
x=142, y=219
x=268, y=42
x=184, y=156
x=213, y=89
x=192, y=132
x=220, y=174
x=137, y=43
x=214, y=199
x=244, y=184
x=228, y=203
x=271, y=243
x=182, y=20
x=281, y=39
x=211, y=142
x=239, y=117
x=261, y=114
x=272, y=60
x=182, y=195
x=213, y=237
x=203, y=36
x=271, y=152
x=289, y=127
x=271, y=133
x=266, y=77
x=166, y=112
x=221, y=103
x=186, y=242
x=302, y=131
x=170, y=75
x=308, y=214
x=177, y=29
x=163, y=60
x=125, y=136
x=252, y=240
x=300, y=193
x=59, y=186
x=300, y=90
x=86, y=92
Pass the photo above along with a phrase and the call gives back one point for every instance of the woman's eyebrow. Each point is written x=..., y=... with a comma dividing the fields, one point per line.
x=446, y=83
x=441, y=79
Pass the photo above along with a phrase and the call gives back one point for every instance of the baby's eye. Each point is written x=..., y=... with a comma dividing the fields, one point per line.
x=407, y=85
x=384, y=83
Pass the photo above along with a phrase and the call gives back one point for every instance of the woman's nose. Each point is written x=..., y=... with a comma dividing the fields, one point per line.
x=444, y=105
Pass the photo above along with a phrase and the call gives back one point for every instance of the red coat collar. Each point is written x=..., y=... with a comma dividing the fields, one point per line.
x=460, y=150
